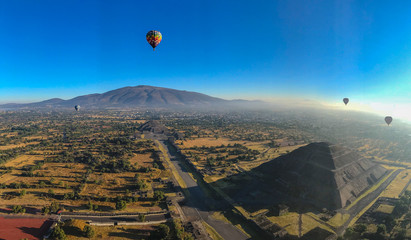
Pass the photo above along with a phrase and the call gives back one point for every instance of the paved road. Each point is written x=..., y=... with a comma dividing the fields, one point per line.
x=198, y=204
x=149, y=218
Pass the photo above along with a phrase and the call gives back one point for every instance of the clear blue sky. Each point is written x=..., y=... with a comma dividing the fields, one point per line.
x=233, y=49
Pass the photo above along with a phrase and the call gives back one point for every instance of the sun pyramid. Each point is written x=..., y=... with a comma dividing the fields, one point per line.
x=323, y=174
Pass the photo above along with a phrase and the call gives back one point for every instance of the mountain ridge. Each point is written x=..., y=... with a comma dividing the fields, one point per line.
x=137, y=96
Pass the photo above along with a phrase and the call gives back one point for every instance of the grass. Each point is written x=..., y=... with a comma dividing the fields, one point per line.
x=263, y=210
x=208, y=142
x=23, y=160
x=384, y=208
x=11, y=146
x=142, y=160
x=397, y=185
x=338, y=219
x=242, y=211
x=117, y=232
x=290, y=223
x=210, y=230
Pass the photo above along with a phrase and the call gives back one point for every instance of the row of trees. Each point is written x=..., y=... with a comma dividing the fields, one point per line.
x=173, y=231
x=77, y=227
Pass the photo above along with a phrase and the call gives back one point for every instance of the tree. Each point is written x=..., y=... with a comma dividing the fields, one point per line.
x=51, y=192
x=54, y=207
x=121, y=205
x=401, y=235
x=58, y=234
x=23, y=192
x=142, y=217
x=18, y=209
x=161, y=232
x=88, y=231
x=158, y=195
x=381, y=229
x=188, y=236
x=350, y=234
x=90, y=206
x=45, y=210
x=360, y=228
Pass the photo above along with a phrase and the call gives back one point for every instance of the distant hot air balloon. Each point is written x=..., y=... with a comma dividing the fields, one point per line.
x=388, y=120
x=346, y=100
x=77, y=107
x=154, y=38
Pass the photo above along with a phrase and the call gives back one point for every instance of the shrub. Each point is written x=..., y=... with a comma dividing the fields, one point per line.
x=88, y=231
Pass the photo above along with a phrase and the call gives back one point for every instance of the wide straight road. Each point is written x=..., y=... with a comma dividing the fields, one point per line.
x=198, y=205
x=99, y=219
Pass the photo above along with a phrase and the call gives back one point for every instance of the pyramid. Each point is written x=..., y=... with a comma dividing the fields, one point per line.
x=153, y=126
x=326, y=175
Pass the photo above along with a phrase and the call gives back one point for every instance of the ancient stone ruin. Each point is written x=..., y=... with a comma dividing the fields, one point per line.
x=325, y=175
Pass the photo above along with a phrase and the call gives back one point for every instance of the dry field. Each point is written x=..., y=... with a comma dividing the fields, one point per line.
x=338, y=219
x=290, y=223
x=11, y=146
x=23, y=160
x=143, y=160
x=397, y=185
x=207, y=142
x=385, y=209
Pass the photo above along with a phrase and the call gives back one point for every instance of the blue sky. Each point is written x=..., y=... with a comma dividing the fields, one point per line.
x=323, y=50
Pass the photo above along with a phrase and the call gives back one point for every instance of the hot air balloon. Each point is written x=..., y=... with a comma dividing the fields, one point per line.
x=154, y=38
x=346, y=100
x=388, y=120
x=77, y=107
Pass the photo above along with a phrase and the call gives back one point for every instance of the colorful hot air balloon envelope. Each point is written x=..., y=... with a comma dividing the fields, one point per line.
x=154, y=38
x=77, y=107
x=388, y=120
x=346, y=100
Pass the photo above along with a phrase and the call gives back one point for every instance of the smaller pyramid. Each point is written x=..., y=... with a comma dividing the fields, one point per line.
x=153, y=126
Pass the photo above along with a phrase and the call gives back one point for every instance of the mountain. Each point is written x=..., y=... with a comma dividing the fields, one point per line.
x=139, y=96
